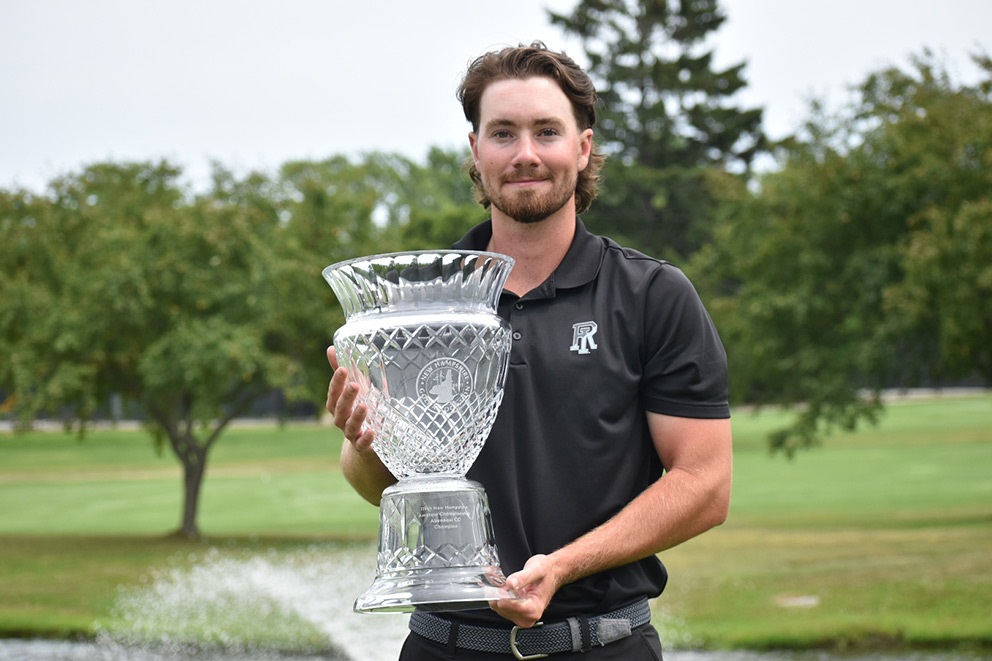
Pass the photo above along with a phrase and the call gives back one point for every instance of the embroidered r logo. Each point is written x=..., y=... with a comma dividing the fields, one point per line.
x=583, y=336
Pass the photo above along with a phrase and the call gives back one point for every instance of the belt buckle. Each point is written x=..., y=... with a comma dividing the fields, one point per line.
x=513, y=646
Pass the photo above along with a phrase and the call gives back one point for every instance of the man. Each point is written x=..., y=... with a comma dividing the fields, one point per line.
x=613, y=440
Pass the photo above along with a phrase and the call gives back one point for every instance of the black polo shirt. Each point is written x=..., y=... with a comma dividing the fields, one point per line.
x=609, y=335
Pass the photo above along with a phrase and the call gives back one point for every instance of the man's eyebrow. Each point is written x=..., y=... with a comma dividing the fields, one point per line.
x=494, y=123
x=500, y=122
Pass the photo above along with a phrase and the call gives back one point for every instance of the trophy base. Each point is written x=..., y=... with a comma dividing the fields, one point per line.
x=453, y=589
x=436, y=549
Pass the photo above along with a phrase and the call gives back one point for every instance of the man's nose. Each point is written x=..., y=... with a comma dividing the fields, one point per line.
x=526, y=152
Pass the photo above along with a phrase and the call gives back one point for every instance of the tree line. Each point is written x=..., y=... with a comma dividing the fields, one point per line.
x=861, y=260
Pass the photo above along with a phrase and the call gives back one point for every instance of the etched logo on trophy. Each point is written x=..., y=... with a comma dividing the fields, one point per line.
x=429, y=354
x=444, y=382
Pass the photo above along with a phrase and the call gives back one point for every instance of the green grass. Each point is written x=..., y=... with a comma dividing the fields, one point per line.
x=927, y=464
x=880, y=537
x=260, y=480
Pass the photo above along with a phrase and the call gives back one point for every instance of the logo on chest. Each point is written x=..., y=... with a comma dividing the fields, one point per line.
x=584, y=337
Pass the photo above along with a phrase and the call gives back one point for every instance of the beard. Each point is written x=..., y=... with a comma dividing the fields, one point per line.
x=531, y=206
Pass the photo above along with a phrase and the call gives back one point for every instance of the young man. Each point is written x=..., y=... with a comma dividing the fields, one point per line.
x=613, y=440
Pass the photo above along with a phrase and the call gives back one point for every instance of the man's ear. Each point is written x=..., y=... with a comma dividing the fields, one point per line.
x=585, y=148
x=473, y=144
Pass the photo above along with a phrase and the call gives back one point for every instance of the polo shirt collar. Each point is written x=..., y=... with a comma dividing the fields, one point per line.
x=579, y=267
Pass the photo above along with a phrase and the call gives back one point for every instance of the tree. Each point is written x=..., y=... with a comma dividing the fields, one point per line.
x=122, y=284
x=938, y=144
x=431, y=205
x=666, y=119
x=863, y=262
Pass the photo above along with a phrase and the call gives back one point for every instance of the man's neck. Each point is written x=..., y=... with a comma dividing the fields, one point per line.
x=537, y=248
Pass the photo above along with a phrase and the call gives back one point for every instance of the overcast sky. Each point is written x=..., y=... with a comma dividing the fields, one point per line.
x=255, y=83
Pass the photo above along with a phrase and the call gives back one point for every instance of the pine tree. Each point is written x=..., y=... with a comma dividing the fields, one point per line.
x=667, y=119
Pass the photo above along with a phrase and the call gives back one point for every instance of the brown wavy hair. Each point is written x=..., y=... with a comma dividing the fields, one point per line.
x=527, y=62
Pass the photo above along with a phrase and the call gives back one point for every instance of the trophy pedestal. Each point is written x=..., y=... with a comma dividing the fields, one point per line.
x=436, y=548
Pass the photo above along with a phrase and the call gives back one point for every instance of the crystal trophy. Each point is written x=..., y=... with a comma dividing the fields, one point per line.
x=429, y=353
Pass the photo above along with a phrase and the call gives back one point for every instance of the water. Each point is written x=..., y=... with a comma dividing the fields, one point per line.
x=44, y=650
x=227, y=606
x=21, y=650
x=284, y=607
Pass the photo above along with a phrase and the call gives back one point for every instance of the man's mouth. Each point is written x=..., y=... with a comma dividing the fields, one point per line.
x=525, y=180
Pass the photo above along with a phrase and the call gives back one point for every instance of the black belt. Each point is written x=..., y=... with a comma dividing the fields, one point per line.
x=576, y=634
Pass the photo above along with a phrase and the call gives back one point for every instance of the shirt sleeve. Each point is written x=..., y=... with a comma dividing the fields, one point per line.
x=685, y=364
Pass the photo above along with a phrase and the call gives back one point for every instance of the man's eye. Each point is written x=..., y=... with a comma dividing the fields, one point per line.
x=548, y=133
x=502, y=135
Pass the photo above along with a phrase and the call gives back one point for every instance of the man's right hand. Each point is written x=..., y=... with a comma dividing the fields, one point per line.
x=341, y=396
x=360, y=464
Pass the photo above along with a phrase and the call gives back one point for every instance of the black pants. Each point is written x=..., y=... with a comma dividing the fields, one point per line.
x=643, y=644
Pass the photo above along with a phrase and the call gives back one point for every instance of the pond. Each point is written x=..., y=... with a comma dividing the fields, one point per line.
x=40, y=650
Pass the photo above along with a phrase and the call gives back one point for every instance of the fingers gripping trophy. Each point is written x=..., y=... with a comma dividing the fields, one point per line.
x=429, y=354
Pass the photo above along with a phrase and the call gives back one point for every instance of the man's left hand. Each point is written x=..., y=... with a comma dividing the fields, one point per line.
x=534, y=585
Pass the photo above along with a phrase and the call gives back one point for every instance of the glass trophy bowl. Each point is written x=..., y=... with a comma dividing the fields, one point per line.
x=429, y=354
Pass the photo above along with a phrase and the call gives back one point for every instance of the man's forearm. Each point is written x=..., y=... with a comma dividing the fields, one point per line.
x=676, y=508
x=365, y=472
